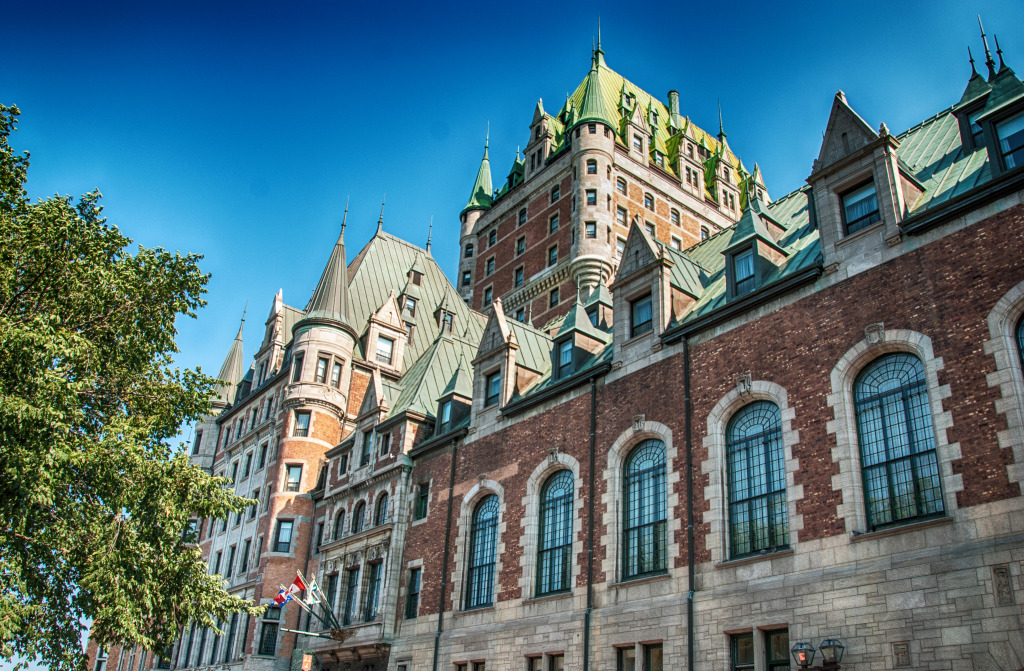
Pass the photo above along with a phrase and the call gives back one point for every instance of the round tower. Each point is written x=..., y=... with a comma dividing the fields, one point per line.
x=480, y=199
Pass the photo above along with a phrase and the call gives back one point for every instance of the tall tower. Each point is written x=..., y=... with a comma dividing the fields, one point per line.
x=480, y=199
x=204, y=442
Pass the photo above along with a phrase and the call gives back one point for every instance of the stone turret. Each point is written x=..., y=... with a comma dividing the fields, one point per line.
x=206, y=435
x=480, y=199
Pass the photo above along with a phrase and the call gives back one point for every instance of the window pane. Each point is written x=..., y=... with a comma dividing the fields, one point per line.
x=860, y=208
x=483, y=543
x=644, y=543
x=641, y=315
x=758, y=519
x=384, y=348
x=1011, y=141
x=554, y=563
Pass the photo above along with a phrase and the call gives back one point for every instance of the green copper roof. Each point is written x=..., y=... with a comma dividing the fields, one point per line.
x=461, y=382
x=481, y=197
x=593, y=105
x=752, y=225
x=330, y=299
x=577, y=320
x=1006, y=89
x=231, y=371
x=426, y=380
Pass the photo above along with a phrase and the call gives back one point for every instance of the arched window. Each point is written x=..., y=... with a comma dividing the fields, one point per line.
x=758, y=519
x=644, y=529
x=483, y=536
x=381, y=514
x=339, y=524
x=357, y=517
x=897, y=443
x=554, y=561
x=1020, y=341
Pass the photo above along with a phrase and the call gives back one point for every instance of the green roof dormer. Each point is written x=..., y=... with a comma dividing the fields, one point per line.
x=481, y=197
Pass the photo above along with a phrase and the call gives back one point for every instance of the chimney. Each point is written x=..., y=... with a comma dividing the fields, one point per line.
x=673, y=103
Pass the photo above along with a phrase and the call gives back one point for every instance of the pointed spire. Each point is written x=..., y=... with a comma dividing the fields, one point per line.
x=721, y=126
x=481, y=197
x=970, y=57
x=329, y=304
x=988, y=54
x=999, y=52
x=430, y=231
x=593, y=106
x=380, y=221
x=231, y=370
x=344, y=217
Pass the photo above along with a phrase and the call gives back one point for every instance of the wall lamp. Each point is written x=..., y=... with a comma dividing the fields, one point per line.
x=832, y=650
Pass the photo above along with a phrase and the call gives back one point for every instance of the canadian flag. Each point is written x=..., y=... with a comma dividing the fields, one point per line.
x=285, y=595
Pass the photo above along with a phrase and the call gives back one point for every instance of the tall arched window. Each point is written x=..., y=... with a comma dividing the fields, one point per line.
x=339, y=524
x=483, y=536
x=758, y=519
x=554, y=561
x=357, y=517
x=897, y=443
x=644, y=529
x=380, y=516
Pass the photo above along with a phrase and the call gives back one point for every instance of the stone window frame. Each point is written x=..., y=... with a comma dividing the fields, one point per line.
x=843, y=427
x=1008, y=376
x=714, y=466
x=483, y=488
x=639, y=431
x=529, y=539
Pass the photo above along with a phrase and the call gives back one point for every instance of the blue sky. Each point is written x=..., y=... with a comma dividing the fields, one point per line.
x=238, y=131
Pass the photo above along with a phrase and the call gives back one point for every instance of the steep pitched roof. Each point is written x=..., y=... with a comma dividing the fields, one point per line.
x=231, y=370
x=329, y=303
x=481, y=197
x=430, y=375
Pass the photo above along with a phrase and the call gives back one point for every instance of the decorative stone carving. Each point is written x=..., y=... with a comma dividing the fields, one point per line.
x=901, y=655
x=875, y=333
x=638, y=422
x=553, y=453
x=744, y=383
x=481, y=478
x=1002, y=585
x=883, y=130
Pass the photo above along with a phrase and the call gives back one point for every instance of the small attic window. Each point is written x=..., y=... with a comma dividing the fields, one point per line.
x=972, y=121
x=492, y=389
x=564, y=358
x=445, y=321
x=689, y=150
x=385, y=348
x=743, y=272
x=860, y=207
x=537, y=134
x=416, y=277
x=641, y=317
x=638, y=143
x=410, y=305
x=1010, y=134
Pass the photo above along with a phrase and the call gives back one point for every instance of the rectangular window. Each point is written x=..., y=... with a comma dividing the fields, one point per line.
x=517, y=277
x=385, y=444
x=332, y=590
x=268, y=639
x=321, y=370
x=638, y=143
x=343, y=465
x=777, y=649
x=296, y=368
x=488, y=296
x=591, y=167
x=564, y=358
x=489, y=268
x=742, y=652
x=351, y=586
x=283, y=536
x=677, y=243
x=556, y=662
x=626, y=659
x=262, y=461
x=591, y=196
x=372, y=592
x=216, y=563
x=649, y=202
x=553, y=298
x=253, y=507
x=520, y=315
x=522, y=216
x=592, y=128
x=246, y=546
x=248, y=466
x=412, y=601
x=743, y=271
x=234, y=471
x=641, y=318
x=492, y=237
x=385, y=346
x=651, y=230
x=520, y=245
x=198, y=441
x=336, y=374
x=553, y=223
x=319, y=536
x=294, y=478
x=674, y=217
x=552, y=256
x=653, y=657
x=620, y=246
x=860, y=208
x=976, y=130
x=302, y=424
x=467, y=277
x=620, y=185
x=492, y=389
x=364, y=456
x=554, y=193
x=231, y=562
x=422, y=498
x=1010, y=134
x=591, y=229
x=620, y=216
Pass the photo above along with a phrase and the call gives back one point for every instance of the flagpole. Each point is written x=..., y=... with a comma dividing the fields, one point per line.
x=317, y=593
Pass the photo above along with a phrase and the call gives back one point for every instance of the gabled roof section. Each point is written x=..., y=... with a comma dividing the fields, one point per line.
x=428, y=378
x=534, y=347
x=329, y=304
x=639, y=251
x=846, y=132
x=976, y=85
x=753, y=224
x=578, y=321
x=461, y=382
x=1006, y=90
x=381, y=267
x=481, y=197
x=231, y=370
x=389, y=313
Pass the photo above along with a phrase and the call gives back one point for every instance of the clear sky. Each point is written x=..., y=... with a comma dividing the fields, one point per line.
x=238, y=130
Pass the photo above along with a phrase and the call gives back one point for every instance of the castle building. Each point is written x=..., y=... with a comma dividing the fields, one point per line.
x=707, y=430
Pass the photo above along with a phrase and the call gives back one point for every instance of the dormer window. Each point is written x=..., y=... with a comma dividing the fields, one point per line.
x=447, y=319
x=1010, y=135
x=976, y=130
x=743, y=271
x=445, y=414
x=641, y=318
x=659, y=159
x=564, y=358
x=385, y=348
x=638, y=143
x=410, y=305
x=416, y=277
x=492, y=389
x=860, y=208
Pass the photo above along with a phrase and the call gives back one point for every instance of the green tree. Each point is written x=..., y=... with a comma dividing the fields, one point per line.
x=94, y=498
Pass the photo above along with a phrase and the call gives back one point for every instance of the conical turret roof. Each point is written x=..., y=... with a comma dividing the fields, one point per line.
x=231, y=370
x=593, y=106
x=329, y=304
x=481, y=197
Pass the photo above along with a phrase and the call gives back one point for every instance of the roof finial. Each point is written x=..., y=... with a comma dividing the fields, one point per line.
x=970, y=57
x=599, y=32
x=430, y=232
x=999, y=52
x=721, y=126
x=380, y=221
x=344, y=217
x=242, y=324
x=988, y=54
